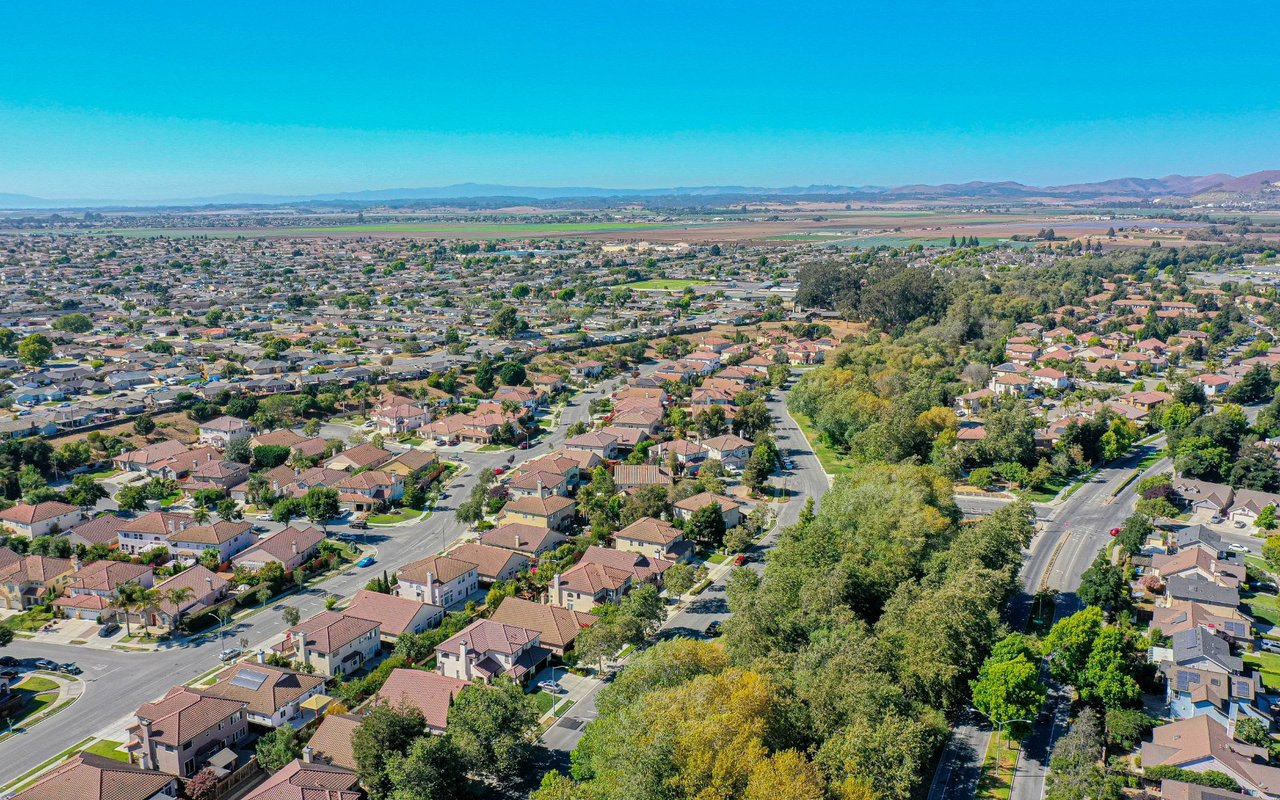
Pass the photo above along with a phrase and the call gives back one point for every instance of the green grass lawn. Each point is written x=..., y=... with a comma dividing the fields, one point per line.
x=107, y=749
x=1268, y=664
x=35, y=683
x=397, y=516
x=1047, y=492
x=103, y=474
x=494, y=448
x=832, y=462
x=1263, y=607
x=663, y=284
x=997, y=778
x=716, y=558
x=545, y=701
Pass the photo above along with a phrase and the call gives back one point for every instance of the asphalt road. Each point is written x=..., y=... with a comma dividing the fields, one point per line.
x=118, y=682
x=807, y=479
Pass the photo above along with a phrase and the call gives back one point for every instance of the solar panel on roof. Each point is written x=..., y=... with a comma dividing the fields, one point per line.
x=249, y=679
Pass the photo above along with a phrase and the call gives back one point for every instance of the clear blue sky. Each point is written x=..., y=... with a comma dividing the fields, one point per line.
x=141, y=100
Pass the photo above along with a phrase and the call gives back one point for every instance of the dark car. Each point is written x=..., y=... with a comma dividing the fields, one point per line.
x=360, y=525
x=713, y=629
x=8, y=661
x=70, y=668
x=44, y=663
x=8, y=674
x=110, y=629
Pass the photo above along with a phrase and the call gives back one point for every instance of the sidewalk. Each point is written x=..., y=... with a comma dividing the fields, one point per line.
x=70, y=689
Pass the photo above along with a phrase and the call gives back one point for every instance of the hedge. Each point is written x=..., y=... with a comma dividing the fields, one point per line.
x=1210, y=778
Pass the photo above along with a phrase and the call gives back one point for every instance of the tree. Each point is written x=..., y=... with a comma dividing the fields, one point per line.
x=229, y=510
x=1253, y=731
x=1074, y=770
x=203, y=786
x=512, y=373
x=1255, y=468
x=1008, y=687
x=506, y=323
x=73, y=323
x=1133, y=534
x=291, y=615
x=268, y=456
x=1104, y=585
x=678, y=579
x=710, y=422
x=706, y=526
x=428, y=771
x=278, y=747
x=484, y=379
x=1126, y=726
x=321, y=503
x=85, y=491
x=286, y=509
x=144, y=425
x=1070, y=642
x=35, y=349
x=494, y=729
x=6, y=636
x=384, y=732
x=131, y=498
x=752, y=419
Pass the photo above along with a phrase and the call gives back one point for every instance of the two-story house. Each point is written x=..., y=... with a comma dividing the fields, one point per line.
x=654, y=538
x=272, y=695
x=150, y=530
x=226, y=536
x=41, y=519
x=26, y=581
x=332, y=643
x=438, y=580
x=603, y=575
x=220, y=432
x=179, y=733
x=485, y=650
x=92, y=588
x=553, y=512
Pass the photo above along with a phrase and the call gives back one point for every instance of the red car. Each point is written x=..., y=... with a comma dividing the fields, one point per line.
x=499, y=470
x=1115, y=531
x=524, y=445
x=740, y=559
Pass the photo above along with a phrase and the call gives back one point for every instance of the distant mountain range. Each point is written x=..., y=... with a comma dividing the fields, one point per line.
x=1220, y=186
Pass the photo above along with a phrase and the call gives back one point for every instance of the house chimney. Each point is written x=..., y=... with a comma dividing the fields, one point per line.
x=294, y=544
x=462, y=655
x=306, y=754
x=555, y=589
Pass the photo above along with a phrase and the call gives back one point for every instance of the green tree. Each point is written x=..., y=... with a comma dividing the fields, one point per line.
x=35, y=349
x=706, y=526
x=1070, y=642
x=321, y=503
x=144, y=425
x=268, y=456
x=1074, y=768
x=429, y=770
x=286, y=509
x=278, y=747
x=494, y=728
x=1008, y=686
x=73, y=323
x=384, y=733
x=1104, y=585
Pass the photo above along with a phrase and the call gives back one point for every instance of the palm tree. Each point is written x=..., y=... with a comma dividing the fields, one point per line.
x=144, y=599
x=200, y=515
x=361, y=391
x=177, y=595
x=121, y=602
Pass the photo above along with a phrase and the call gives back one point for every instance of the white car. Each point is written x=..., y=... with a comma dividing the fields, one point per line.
x=1239, y=548
x=550, y=687
x=263, y=517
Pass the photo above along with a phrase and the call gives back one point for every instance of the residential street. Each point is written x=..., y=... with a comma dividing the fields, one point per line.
x=806, y=480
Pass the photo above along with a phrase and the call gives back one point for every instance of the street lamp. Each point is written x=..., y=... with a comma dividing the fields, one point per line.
x=1000, y=729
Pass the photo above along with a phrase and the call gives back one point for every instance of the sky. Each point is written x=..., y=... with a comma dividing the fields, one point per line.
x=163, y=100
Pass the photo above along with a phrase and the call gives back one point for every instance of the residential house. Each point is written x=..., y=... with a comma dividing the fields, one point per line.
x=731, y=451
x=41, y=519
x=531, y=540
x=1201, y=743
x=1183, y=615
x=205, y=589
x=554, y=512
x=393, y=420
x=1249, y=503
x=27, y=581
x=226, y=536
x=331, y=743
x=634, y=476
x=303, y=780
x=655, y=539
x=272, y=696
x=150, y=459
x=333, y=643
x=536, y=483
x=86, y=776
x=180, y=733
x=730, y=509
x=150, y=530
x=493, y=564
x=1199, y=589
x=290, y=548
x=603, y=575
x=602, y=444
x=1202, y=495
x=220, y=432
x=438, y=580
x=485, y=650
x=394, y=615
x=363, y=456
x=432, y=693
x=557, y=627
x=92, y=588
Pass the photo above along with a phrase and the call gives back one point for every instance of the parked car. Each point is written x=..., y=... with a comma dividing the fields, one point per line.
x=1238, y=523
x=110, y=629
x=740, y=559
x=230, y=654
x=367, y=561
x=44, y=663
x=550, y=687
x=1114, y=531
x=523, y=446
x=8, y=674
x=1269, y=645
x=499, y=470
x=1239, y=548
x=263, y=517
x=1215, y=520
x=713, y=629
x=8, y=661
x=360, y=525
x=71, y=668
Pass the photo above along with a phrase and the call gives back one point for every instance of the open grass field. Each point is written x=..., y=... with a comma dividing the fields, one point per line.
x=663, y=284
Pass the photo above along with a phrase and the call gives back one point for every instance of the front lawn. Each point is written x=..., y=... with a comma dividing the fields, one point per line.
x=1268, y=664
x=107, y=749
x=1047, y=492
x=1261, y=606
x=400, y=515
x=37, y=684
x=545, y=701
